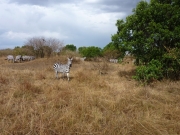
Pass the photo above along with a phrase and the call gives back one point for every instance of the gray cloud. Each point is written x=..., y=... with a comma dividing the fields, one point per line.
x=104, y=5
x=78, y=22
x=120, y=6
x=41, y=2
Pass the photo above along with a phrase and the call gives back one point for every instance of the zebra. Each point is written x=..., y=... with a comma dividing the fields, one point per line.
x=80, y=58
x=25, y=57
x=18, y=58
x=32, y=57
x=113, y=60
x=10, y=58
x=28, y=58
x=63, y=68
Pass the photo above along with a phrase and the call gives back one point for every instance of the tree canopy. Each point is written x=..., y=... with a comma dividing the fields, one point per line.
x=110, y=51
x=70, y=47
x=152, y=32
x=90, y=52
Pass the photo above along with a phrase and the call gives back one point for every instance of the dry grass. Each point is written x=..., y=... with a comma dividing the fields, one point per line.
x=33, y=102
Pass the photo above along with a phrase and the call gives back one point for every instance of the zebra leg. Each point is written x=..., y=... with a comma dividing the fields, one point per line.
x=68, y=76
x=63, y=75
x=56, y=74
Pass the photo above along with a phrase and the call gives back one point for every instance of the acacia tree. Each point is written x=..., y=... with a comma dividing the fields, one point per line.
x=152, y=32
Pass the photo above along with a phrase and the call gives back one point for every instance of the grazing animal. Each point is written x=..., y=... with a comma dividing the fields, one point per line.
x=113, y=60
x=82, y=59
x=28, y=58
x=18, y=58
x=32, y=57
x=10, y=58
x=63, y=68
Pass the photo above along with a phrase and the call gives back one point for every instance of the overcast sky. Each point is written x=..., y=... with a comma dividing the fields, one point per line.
x=78, y=22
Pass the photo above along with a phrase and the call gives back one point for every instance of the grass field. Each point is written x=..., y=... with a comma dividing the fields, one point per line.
x=33, y=102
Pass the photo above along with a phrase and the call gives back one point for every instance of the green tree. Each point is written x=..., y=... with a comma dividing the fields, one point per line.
x=90, y=52
x=27, y=50
x=70, y=47
x=80, y=49
x=153, y=32
x=119, y=40
x=110, y=51
x=18, y=50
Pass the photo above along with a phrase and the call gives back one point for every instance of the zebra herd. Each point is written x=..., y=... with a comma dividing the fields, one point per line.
x=58, y=67
x=65, y=68
x=19, y=58
x=28, y=58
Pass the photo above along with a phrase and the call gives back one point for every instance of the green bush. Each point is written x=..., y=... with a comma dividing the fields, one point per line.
x=90, y=52
x=70, y=47
x=152, y=71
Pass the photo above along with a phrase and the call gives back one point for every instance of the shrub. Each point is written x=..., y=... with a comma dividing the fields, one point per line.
x=90, y=52
x=150, y=72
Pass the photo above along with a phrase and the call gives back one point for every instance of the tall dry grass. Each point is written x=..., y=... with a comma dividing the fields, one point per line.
x=33, y=102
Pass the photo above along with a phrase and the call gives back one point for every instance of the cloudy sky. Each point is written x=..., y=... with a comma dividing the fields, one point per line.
x=78, y=22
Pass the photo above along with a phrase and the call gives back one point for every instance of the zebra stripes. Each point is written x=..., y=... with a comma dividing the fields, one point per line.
x=63, y=68
x=18, y=58
x=28, y=58
x=113, y=60
x=80, y=58
x=10, y=58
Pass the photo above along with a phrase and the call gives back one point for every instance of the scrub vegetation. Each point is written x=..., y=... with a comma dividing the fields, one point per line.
x=33, y=102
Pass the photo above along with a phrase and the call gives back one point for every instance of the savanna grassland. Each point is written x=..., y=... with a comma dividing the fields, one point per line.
x=33, y=102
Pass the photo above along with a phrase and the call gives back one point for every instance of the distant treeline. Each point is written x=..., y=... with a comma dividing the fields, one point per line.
x=39, y=47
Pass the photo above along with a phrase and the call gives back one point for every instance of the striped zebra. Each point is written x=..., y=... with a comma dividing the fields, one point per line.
x=32, y=57
x=63, y=68
x=113, y=60
x=80, y=58
x=10, y=58
x=28, y=58
x=18, y=58
x=25, y=58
